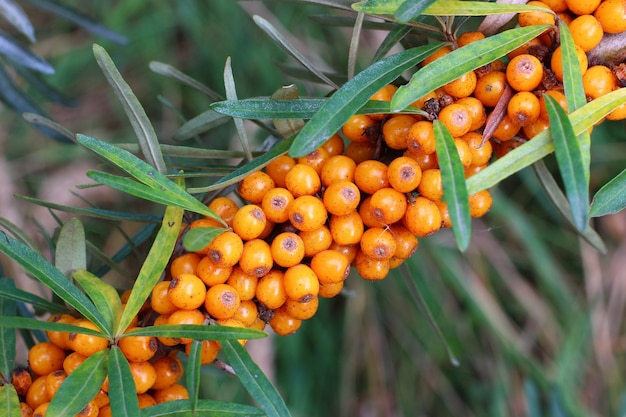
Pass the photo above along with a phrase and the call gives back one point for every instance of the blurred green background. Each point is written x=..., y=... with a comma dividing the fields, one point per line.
x=532, y=313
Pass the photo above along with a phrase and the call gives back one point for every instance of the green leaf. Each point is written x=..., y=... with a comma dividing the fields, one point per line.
x=353, y=95
x=11, y=293
x=17, y=232
x=571, y=165
x=611, y=198
x=71, y=254
x=174, y=73
x=33, y=324
x=187, y=151
x=15, y=15
x=287, y=127
x=532, y=399
x=80, y=386
x=153, y=266
x=254, y=380
x=234, y=177
x=122, y=392
x=37, y=266
x=104, y=296
x=394, y=36
x=16, y=53
x=146, y=175
x=454, y=188
x=444, y=8
x=541, y=145
x=8, y=308
x=9, y=401
x=461, y=61
x=231, y=94
x=183, y=408
x=200, y=124
x=134, y=111
x=193, y=372
x=410, y=9
x=197, y=332
x=291, y=50
x=49, y=125
x=198, y=238
x=354, y=44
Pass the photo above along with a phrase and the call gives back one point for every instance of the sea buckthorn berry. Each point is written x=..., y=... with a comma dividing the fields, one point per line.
x=259, y=324
x=37, y=393
x=145, y=401
x=287, y=249
x=341, y=198
x=618, y=114
x=208, y=353
x=212, y=274
x=225, y=249
x=469, y=37
x=60, y=338
x=395, y=130
x=276, y=203
x=268, y=230
x=422, y=218
x=338, y=168
x=421, y=138
x=334, y=145
x=490, y=88
x=205, y=222
x=456, y=118
x=556, y=62
x=307, y=213
x=555, y=94
x=464, y=152
x=476, y=110
x=371, y=269
x=421, y=102
x=523, y=49
x=171, y=393
x=86, y=344
x=278, y=168
x=431, y=186
x=582, y=6
x=270, y=290
x=247, y=313
x=480, y=203
x=244, y=284
x=302, y=310
x=523, y=108
x=404, y=174
x=502, y=148
x=436, y=55
x=45, y=357
x=556, y=6
x=186, y=291
x=612, y=16
x=330, y=290
x=385, y=94
x=506, y=129
x=21, y=380
x=356, y=127
x=256, y=258
x=406, y=242
x=54, y=381
x=536, y=18
x=303, y=180
x=283, y=324
x=330, y=266
x=186, y=317
x=346, y=230
x=370, y=176
x=169, y=369
x=536, y=128
x=73, y=361
x=586, y=32
x=361, y=151
x=315, y=159
x=144, y=376
x=463, y=86
x=254, y=186
x=160, y=301
x=524, y=72
x=481, y=152
x=225, y=208
x=598, y=81
x=425, y=161
x=101, y=398
x=378, y=243
x=249, y=222
x=367, y=215
x=105, y=411
x=41, y=410
x=388, y=205
x=90, y=410
x=222, y=301
x=165, y=341
x=184, y=264
x=446, y=222
x=316, y=240
x=138, y=348
x=301, y=283
x=25, y=410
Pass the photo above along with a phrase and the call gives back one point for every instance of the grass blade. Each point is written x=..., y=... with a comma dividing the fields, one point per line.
x=182, y=408
x=198, y=238
x=200, y=124
x=8, y=308
x=254, y=380
x=353, y=95
x=124, y=402
x=134, y=111
x=454, y=189
x=461, y=61
x=291, y=50
x=444, y=8
x=611, y=198
x=231, y=94
x=71, y=253
x=570, y=161
x=9, y=292
x=104, y=296
x=410, y=9
x=9, y=401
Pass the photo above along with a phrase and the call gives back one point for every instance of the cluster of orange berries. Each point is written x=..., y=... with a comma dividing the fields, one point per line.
x=156, y=373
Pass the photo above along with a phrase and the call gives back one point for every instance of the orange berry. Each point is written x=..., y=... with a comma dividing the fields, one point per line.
x=144, y=400
x=171, y=393
x=222, y=301
x=598, y=81
x=341, y=197
x=480, y=203
x=431, y=185
x=406, y=242
x=101, y=399
x=249, y=222
x=378, y=243
x=490, y=88
x=338, y=168
x=421, y=138
x=256, y=258
x=555, y=94
x=481, y=152
x=41, y=410
x=184, y=264
x=612, y=16
x=270, y=290
x=278, y=168
x=425, y=161
x=160, y=301
x=307, y=213
x=138, y=348
x=404, y=174
x=361, y=151
x=186, y=317
x=60, y=338
x=45, y=357
x=37, y=394
x=524, y=72
x=556, y=62
x=21, y=380
x=302, y=310
x=287, y=249
x=463, y=86
x=523, y=108
x=557, y=6
x=25, y=410
x=212, y=274
x=436, y=55
x=247, y=313
x=476, y=110
x=186, y=291
x=536, y=18
x=422, y=218
x=370, y=176
x=506, y=129
x=346, y=230
x=208, y=353
x=316, y=240
x=371, y=269
x=618, y=114
x=160, y=320
x=536, y=128
x=385, y=94
x=169, y=370
x=582, y=6
x=276, y=203
x=244, y=284
x=355, y=129
x=315, y=159
x=586, y=32
x=395, y=130
x=388, y=205
x=523, y=49
x=334, y=145
x=144, y=376
x=330, y=290
x=283, y=324
x=469, y=37
x=465, y=153
x=302, y=180
x=254, y=186
x=73, y=361
x=225, y=249
x=456, y=118
x=301, y=283
x=225, y=208
x=86, y=344
x=330, y=266
x=367, y=214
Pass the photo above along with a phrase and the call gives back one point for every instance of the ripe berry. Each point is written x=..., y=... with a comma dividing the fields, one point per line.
x=431, y=185
x=86, y=344
x=254, y=186
x=256, y=258
x=469, y=37
x=222, y=301
x=212, y=274
x=582, y=6
x=144, y=376
x=356, y=127
x=330, y=290
x=463, y=86
x=21, y=380
x=186, y=317
x=524, y=72
x=302, y=180
x=480, y=203
x=276, y=203
x=476, y=110
x=208, y=353
x=506, y=129
x=481, y=152
x=54, y=381
x=165, y=341
x=244, y=284
x=456, y=118
x=160, y=301
x=138, y=348
x=436, y=55
x=316, y=240
x=205, y=222
x=406, y=242
x=301, y=283
x=341, y=197
x=422, y=217
x=370, y=176
x=330, y=266
x=247, y=313
x=523, y=108
x=371, y=269
x=315, y=159
x=73, y=361
x=536, y=18
x=283, y=324
x=302, y=310
x=361, y=151
x=555, y=94
x=338, y=168
x=287, y=249
x=598, y=81
x=225, y=208
x=225, y=249
x=586, y=32
x=249, y=222
x=41, y=410
x=425, y=161
x=612, y=16
x=346, y=230
x=367, y=214
x=270, y=290
x=334, y=146
x=556, y=62
x=404, y=174
x=37, y=393
x=169, y=369
x=557, y=6
x=60, y=338
x=144, y=400
x=378, y=243
x=388, y=205
x=186, y=291
x=171, y=393
x=184, y=264
x=278, y=168
x=464, y=152
x=45, y=357
x=307, y=213
x=536, y=128
x=395, y=130
x=421, y=138
x=490, y=88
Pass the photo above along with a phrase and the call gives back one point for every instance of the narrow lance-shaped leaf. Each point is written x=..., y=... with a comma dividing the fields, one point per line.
x=462, y=61
x=201, y=123
x=570, y=161
x=353, y=95
x=183, y=408
x=394, y=36
x=122, y=392
x=104, y=296
x=28, y=323
x=15, y=15
x=445, y=8
x=254, y=380
x=174, y=73
x=200, y=237
x=197, y=332
x=9, y=401
x=193, y=372
x=71, y=253
x=454, y=188
x=231, y=94
x=134, y=111
x=8, y=308
x=11, y=293
x=354, y=44
x=410, y=9
x=611, y=198
x=288, y=127
x=15, y=52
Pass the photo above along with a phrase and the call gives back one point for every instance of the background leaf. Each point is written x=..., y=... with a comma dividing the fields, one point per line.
x=444, y=7
x=410, y=9
x=611, y=198
x=14, y=15
x=182, y=408
x=104, y=296
x=16, y=53
x=9, y=401
x=200, y=124
x=71, y=253
x=231, y=94
x=8, y=308
x=9, y=292
x=193, y=373
x=122, y=392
